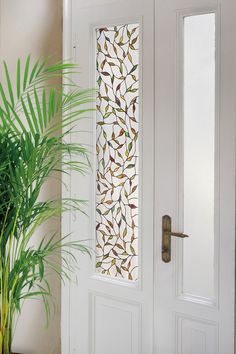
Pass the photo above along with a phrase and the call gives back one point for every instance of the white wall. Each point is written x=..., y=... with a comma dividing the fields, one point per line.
x=35, y=27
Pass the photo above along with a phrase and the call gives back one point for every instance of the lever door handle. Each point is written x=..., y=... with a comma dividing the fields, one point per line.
x=166, y=238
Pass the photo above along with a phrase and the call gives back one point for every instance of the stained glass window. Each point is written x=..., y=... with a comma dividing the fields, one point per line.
x=117, y=149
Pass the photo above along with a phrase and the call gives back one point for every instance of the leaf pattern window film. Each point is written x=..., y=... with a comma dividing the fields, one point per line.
x=117, y=149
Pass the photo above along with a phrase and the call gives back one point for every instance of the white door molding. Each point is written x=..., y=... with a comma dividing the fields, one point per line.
x=66, y=219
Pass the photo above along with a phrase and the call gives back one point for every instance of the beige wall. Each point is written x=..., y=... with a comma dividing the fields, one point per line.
x=34, y=27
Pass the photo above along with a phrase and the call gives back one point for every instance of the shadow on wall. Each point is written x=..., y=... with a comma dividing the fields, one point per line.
x=34, y=27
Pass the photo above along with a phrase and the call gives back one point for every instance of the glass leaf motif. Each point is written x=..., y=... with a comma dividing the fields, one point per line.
x=117, y=151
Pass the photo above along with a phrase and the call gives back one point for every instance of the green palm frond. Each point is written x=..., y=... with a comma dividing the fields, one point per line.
x=33, y=148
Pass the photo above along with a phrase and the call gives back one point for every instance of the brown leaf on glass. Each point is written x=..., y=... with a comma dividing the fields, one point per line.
x=115, y=253
x=110, y=223
x=122, y=175
x=103, y=64
x=109, y=202
x=117, y=101
x=134, y=189
x=105, y=73
x=134, y=40
x=116, y=169
x=134, y=100
x=103, y=29
x=118, y=87
x=124, y=268
x=119, y=154
x=122, y=131
x=132, y=206
x=122, y=120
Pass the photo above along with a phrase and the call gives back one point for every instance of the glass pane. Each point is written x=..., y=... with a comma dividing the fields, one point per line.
x=117, y=151
x=199, y=152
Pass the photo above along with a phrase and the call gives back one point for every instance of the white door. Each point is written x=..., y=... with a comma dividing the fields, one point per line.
x=195, y=175
x=163, y=142
x=111, y=308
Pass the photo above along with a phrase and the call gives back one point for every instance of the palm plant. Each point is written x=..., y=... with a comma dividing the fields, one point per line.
x=33, y=147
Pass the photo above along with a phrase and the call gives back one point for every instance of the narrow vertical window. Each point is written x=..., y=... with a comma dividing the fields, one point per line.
x=199, y=153
x=117, y=151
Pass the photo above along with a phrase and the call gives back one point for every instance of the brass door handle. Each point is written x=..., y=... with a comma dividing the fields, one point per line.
x=166, y=238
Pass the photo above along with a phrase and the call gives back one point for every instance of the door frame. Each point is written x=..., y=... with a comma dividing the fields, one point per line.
x=67, y=53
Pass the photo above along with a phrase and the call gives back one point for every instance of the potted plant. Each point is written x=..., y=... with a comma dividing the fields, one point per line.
x=33, y=148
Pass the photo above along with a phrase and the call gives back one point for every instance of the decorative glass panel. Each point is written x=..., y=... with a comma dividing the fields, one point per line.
x=199, y=154
x=117, y=151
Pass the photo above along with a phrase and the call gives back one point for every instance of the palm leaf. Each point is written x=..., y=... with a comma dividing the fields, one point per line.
x=30, y=153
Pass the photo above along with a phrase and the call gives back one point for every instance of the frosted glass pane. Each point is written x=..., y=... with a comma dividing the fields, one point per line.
x=117, y=151
x=199, y=152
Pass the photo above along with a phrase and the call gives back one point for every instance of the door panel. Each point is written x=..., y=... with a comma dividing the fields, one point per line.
x=125, y=319
x=196, y=336
x=114, y=45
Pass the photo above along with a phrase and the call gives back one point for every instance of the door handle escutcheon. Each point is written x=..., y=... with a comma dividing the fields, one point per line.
x=166, y=238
